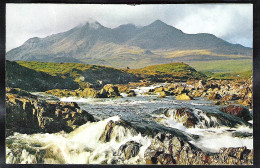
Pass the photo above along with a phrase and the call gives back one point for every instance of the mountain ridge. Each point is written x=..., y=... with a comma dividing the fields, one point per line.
x=96, y=44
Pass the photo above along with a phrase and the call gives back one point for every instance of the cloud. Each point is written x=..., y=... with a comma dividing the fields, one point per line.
x=230, y=22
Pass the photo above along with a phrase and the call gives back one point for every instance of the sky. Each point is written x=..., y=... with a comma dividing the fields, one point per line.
x=231, y=22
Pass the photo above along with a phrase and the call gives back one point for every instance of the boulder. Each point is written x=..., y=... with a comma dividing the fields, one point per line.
x=28, y=115
x=196, y=93
x=198, y=118
x=213, y=96
x=183, y=96
x=221, y=102
x=237, y=111
x=62, y=92
x=162, y=94
x=229, y=97
x=131, y=93
x=129, y=149
x=109, y=91
x=242, y=134
x=179, y=90
x=112, y=130
x=168, y=149
x=158, y=89
x=186, y=117
x=89, y=93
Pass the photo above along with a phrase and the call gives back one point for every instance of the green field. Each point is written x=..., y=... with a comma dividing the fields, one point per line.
x=227, y=66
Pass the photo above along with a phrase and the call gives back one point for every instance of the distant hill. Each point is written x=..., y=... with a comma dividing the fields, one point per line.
x=84, y=74
x=128, y=45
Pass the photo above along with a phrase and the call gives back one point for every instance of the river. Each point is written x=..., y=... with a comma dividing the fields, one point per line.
x=83, y=145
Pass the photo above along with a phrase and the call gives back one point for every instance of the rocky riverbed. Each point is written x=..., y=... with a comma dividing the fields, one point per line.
x=192, y=123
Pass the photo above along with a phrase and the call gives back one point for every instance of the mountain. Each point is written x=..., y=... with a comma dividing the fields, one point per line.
x=128, y=45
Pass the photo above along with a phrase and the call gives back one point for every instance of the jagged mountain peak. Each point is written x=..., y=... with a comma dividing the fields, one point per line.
x=94, y=25
x=98, y=44
x=91, y=25
x=158, y=22
x=160, y=25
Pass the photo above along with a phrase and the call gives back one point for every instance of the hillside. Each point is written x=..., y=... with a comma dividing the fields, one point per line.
x=18, y=76
x=84, y=74
x=128, y=45
x=167, y=72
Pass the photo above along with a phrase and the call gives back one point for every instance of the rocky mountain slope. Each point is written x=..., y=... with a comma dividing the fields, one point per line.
x=128, y=45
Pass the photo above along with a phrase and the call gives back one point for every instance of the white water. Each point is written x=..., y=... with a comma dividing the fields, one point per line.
x=81, y=146
x=215, y=138
x=212, y=139
x=76, y=99
x=141, y=90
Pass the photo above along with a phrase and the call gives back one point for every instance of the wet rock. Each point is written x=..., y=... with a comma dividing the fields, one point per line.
x=221, y=102
x=158, y=89
x=196, y=93
x=131, y=93
x=237, y=111
x=28, y=115
x=186, y=117
x=183, y=96
x=19, y=92
x=64, y=92
x=198, y=118
x=151, y=90
x=233, y=156
x=179, y=90
x=168, y=149
x=229, y=97
x=200, y=84
x=242, y=134
x=89, y=92
x=170, y=87
x=162, y=94
x=123, y=88
x=129, y=149
x=18, y=153
x=116, y=130
x=109, y=91
x=213, y=96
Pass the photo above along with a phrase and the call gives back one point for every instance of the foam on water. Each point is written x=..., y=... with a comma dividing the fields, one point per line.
x=212, y=139
x=76, y=99
x=142, y=90
x=81, y=146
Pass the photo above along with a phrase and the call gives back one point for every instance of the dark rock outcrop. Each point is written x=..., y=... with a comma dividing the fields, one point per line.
x=237, y=111
x=213, y=96
x=28, y=114
x=191, y=118
x=168, y=149
x=183, y=96
x=110, y=130
x=131, y=93
x=109, y=91
x=185, y=116
x=129, y=149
